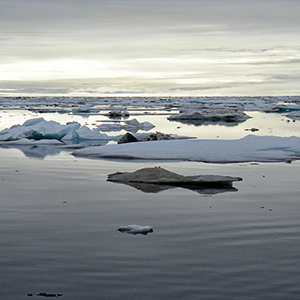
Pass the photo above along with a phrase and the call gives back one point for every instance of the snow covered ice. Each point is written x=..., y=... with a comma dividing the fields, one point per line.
x=39, y=128
x=250, y=148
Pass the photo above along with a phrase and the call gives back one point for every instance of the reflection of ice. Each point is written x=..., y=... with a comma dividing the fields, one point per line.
x=34, y=149
x=156, y=188
x=39, y=152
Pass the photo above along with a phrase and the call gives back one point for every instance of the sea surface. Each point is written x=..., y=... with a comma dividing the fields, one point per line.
x=59, y=216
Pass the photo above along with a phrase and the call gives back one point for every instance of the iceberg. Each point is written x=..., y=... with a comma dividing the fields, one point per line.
x=40, y=129
x=247, y=149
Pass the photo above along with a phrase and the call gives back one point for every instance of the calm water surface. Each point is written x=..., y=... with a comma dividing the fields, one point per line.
x=59, y=216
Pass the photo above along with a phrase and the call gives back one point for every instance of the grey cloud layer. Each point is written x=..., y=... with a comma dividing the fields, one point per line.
x=168, y=42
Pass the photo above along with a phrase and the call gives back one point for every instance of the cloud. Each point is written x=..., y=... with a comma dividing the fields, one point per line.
x=140, y=45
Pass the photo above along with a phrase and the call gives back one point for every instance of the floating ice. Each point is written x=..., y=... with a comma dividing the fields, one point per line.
x=154, y=180
x=84, y=133
x=40, y=129
x=163, y=176
x=118, y=113
x=132, y=125
x=210, y=116
x=82, y=109
x=295, y=115
x=249, y=148
x=136, y=229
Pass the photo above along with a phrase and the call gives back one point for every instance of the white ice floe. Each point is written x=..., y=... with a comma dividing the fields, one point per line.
x=118, y=113
x=84, y=133
x=82, y=109
x=135, y=229
x=226, y=115
x=132, y=125
x=295, y=115
x=40, y=129
x=249, y=148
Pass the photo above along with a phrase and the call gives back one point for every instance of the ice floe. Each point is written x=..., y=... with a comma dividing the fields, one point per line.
x=131, y=125
x=116, y=113
x=213, y=115
x=247, y=149
x=295, y=115
x=84, y=133
x=136, y=229
x=40, y=129
x=82, y=109
x=153, y=180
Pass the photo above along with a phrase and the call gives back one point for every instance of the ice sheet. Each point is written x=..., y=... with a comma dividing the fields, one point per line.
x=250, y=148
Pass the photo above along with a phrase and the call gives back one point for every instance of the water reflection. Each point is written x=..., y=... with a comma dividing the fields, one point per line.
x=156, y=188
x=207, y=122
x=42, y=151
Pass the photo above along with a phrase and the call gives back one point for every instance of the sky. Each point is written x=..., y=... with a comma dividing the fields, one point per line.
x=149, y=47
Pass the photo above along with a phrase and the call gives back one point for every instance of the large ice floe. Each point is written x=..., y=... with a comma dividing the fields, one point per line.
x=39, y=129
x=154, y=180
x=223, y=116
x=247, y=149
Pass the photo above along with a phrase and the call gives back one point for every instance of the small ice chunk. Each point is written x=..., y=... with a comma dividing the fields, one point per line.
x=109, y=127
x=135, y=229
x=133, y=122
x=146, y=126
x=32, y=122
x=82, y=109
x=84, y=133
x=132, y=125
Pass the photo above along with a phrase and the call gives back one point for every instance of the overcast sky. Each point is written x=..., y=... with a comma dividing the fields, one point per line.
x=150, y=47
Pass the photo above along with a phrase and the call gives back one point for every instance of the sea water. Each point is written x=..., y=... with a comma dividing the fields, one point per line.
x=58, y=232
x=59, y=216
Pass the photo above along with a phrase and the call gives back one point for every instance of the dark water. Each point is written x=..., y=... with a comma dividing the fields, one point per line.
x=58, y=223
